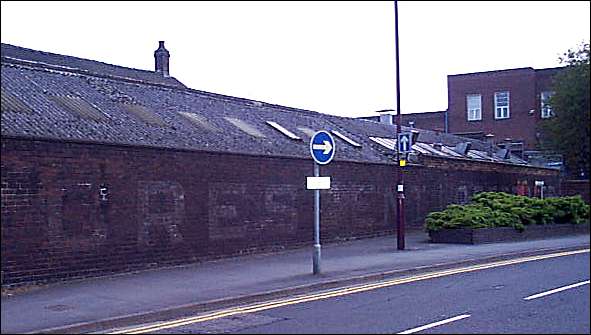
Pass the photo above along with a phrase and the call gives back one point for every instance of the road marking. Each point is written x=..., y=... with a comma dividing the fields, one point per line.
x=435, y=324
x=333, y=293
x=543, y=294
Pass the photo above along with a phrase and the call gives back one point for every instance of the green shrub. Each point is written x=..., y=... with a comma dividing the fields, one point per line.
x=499, y=209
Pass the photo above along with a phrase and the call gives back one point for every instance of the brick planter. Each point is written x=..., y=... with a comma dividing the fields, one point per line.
x=503, y=234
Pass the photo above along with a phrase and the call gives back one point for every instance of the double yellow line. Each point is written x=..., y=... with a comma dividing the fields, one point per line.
x=333, y=293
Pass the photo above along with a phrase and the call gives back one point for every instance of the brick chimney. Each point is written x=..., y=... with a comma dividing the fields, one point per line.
x=162, y=56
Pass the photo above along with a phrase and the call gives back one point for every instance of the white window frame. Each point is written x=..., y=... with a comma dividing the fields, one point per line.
x=474, y=113
x=502, y=111
x=545, y=109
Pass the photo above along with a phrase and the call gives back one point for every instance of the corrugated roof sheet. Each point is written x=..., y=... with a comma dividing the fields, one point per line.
x=144, y=114
x=188, y=119
x=78, y=106
x=10, y=103
x=245, y=127
x=72, y=63
x=199, y=121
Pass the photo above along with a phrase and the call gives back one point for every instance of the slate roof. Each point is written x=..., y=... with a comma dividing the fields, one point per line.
x=132, y=107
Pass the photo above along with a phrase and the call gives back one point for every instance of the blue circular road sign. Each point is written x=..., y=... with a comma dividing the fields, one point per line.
x=322, y=147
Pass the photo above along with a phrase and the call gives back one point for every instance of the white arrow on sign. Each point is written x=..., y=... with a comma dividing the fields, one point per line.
x=326, y=147
x=404, y=143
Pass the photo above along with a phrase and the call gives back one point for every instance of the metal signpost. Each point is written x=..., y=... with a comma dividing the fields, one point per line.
x=322, y=149
x=399, y=175
x=404, y=147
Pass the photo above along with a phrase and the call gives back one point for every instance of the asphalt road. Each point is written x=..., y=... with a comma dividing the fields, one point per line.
x=500, y=299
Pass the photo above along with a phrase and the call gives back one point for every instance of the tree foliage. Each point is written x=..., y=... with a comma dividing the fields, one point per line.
x=568, y=131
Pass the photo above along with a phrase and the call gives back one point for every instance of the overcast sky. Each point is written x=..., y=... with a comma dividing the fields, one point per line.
x=331, y=57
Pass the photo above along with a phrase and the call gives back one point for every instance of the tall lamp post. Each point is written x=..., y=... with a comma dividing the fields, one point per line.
x=399, y=181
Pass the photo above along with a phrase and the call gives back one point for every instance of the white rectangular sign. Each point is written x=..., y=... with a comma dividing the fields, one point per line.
x=539, y=183
x=318, y=183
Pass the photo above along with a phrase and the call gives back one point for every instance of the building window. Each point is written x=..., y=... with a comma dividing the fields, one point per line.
x=473, y=106
x=502, y=105
x=544, y=106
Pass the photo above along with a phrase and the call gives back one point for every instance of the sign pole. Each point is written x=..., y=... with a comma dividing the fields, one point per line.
x=316, y=257
x=322, y=149
x=399, y=175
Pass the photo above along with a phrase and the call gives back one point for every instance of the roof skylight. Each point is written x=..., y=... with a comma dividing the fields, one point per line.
x=245, y=127
x=199, y=121
x=79, y=107
x=144, y=114
x=346, y=139
x=10, y=103
x=283, y=130
x=431, y=150
x=388, y=143
x=307, y=131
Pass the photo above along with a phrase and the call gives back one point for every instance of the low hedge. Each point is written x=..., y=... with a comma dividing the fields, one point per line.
x=499, y=209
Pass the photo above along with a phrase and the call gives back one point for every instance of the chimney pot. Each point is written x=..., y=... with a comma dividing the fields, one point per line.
x=162, y=56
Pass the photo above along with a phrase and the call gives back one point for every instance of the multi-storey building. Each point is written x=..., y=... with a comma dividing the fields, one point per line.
x=503, y=106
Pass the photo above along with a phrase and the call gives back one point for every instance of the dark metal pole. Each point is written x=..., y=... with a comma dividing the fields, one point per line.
x=399, y=181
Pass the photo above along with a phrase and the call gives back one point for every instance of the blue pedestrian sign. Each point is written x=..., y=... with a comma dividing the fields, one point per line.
x=404, y=142
x=322, y=147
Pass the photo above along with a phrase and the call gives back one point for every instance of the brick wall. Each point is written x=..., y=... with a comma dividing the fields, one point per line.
x=522, y=87
x=431, y=120
x=73, y=210
x=576, y=187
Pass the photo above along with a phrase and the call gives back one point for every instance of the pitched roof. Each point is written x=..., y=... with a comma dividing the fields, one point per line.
x=58, y=103
x=74, y=64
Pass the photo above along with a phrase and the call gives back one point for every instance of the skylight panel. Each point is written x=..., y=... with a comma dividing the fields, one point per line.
x=307, y=131
x=473, y=154
x=346, y=139
x=283, y=130
x=430, y=149
x=481, y=154
x=245, y=127
x=450, y=152
x=388, y=143
x=78, y=107
x=420, y=149
x=199, y=121
x=142, y=113
x=10, y=103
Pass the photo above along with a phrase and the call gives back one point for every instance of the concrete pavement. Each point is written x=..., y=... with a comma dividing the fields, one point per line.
x=106, y=302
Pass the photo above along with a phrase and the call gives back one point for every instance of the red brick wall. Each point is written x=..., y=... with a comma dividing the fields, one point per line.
x=168, y=207
x=524, y=86
x=432, y=120
x=521, y=85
